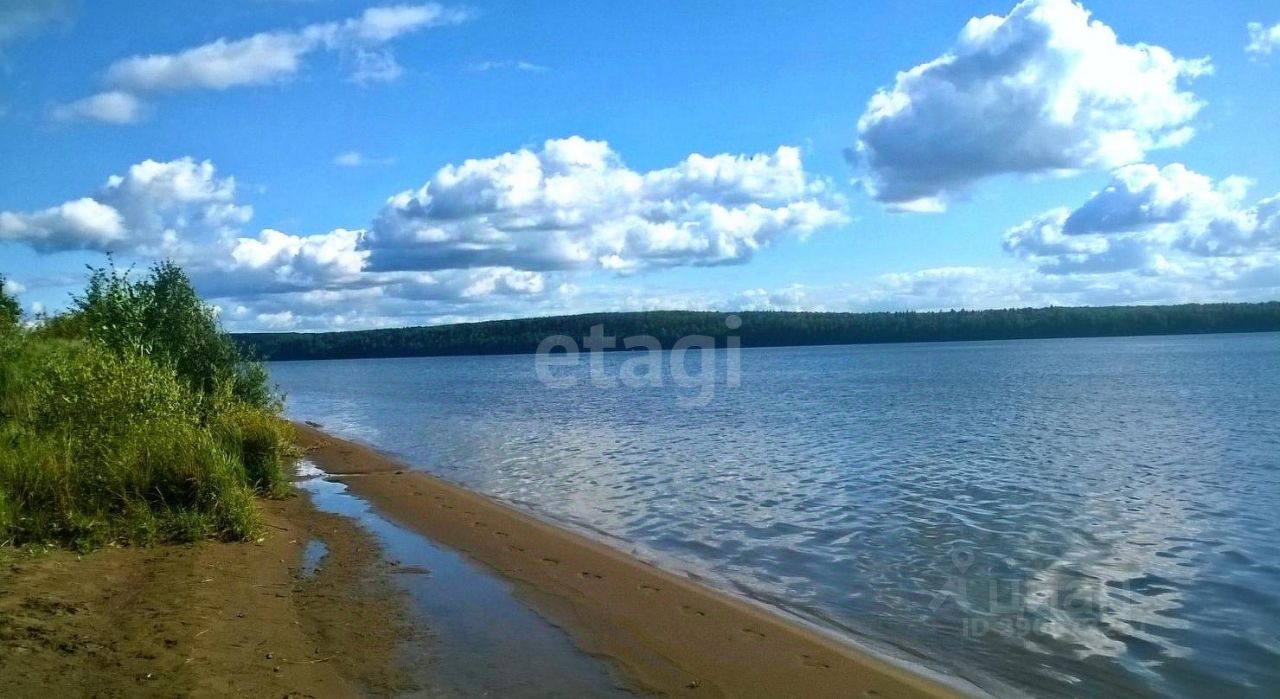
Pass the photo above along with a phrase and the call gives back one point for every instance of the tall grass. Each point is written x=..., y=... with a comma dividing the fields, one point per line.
x=131, y=419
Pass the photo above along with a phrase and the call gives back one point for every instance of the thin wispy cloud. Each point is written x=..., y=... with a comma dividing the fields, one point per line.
x=354, y=158
x=263, y=58
x=112, y=107
x=24, y=18
x=524, y=66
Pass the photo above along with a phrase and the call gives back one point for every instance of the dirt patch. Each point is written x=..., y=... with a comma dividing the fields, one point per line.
x=211, y=619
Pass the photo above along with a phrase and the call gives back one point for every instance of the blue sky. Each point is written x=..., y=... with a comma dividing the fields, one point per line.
x=314, y=177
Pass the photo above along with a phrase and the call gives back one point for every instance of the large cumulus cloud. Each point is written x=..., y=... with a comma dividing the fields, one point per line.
x=1045, y=89
x=155, y=207
x=480, y=239
x=574, y=204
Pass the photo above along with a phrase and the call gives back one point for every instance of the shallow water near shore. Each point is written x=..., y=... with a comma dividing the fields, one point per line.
x=484, y=641
x=1058, y=517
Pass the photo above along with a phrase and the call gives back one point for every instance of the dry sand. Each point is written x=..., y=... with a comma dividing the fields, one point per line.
x=668, y=634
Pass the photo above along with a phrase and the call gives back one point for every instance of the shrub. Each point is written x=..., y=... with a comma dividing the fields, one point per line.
x=162, y=317
x=133, y=420
x=96, y=448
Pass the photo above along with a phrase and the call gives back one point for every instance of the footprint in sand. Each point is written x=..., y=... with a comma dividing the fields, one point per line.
x=753, y=634
x=810, y=661
x=871, y=693
x=479, y=524
x=588, y=575
x=551, y=561
x=501, y=534
x=686, y=609
x=650, y=589
x=518, y=549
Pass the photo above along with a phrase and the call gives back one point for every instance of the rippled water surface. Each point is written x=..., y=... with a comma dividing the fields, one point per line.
x=1054, y=517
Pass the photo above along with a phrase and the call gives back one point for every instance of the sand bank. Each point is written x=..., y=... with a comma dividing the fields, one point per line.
x=667, y=633
x=210, y=619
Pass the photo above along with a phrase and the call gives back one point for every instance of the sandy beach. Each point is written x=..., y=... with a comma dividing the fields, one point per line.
x=211, y=619
x=668, y=634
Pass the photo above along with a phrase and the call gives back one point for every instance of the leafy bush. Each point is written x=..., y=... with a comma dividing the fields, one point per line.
x=164, y=318
x=133, y=420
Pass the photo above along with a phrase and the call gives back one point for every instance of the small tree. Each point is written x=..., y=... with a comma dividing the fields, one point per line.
x=162, y=317
x=10, y=311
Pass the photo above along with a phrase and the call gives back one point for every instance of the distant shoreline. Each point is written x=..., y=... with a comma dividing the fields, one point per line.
x=666, y=632
x=751, y=329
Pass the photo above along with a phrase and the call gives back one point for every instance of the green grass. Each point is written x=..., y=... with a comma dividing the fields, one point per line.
x=109, y=436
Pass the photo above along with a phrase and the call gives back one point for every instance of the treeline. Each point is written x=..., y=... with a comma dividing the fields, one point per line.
x=132, y=418
x=772, y=329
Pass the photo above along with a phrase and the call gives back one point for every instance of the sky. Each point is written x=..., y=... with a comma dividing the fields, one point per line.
x=327, y=165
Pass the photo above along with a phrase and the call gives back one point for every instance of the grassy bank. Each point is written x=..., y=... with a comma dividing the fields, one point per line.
x=132, y=418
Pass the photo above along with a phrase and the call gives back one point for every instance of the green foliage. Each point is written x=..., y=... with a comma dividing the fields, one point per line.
x=773, y=328
x=162, y=317
x=133, y=419
x=10, y=311
x=260, y=440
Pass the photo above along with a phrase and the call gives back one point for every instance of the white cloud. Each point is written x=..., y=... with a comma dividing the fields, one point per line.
x=284, y=320
x=370, y=67
x=498, y=234
x=524, y=66
x=574, y=204
x=81, y=223
x=354, y=158
x=268, y=57
x=1150, y=219
x=795, y=297
x=155, y=207
x=281, y=260
x=271, y=56
x=946, y=288
x=257, y=60
x=113, y=107
x=1042, y=90
x=399, y=298
x=351, y=158
x=1143, y=195
x=1262, y=39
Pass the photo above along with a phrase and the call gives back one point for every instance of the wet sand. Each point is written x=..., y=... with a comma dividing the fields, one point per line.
x=667, y=633
x=212, y=619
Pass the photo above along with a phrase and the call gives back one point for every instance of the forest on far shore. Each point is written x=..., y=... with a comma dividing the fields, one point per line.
x=771, y=329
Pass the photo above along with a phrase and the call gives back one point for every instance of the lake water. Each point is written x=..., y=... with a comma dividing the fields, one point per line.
x=1077, y=517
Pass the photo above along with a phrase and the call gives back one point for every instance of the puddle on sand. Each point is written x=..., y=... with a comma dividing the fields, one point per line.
x=315, y=552
x=486, y=642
